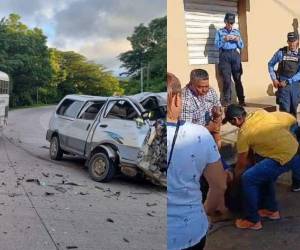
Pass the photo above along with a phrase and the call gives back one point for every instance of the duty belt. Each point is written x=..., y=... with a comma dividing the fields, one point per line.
x=227, y=50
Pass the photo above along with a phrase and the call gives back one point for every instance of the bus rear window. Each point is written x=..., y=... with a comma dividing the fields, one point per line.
x=3, y=87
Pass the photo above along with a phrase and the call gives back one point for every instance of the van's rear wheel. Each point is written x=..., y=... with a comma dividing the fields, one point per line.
x=101, y=168
x=55, y=150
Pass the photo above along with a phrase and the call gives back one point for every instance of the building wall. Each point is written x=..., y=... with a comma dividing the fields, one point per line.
x=268, y=22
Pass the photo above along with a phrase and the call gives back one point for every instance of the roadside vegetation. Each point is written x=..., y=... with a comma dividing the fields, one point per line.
x=43, y=75
x=148, y=56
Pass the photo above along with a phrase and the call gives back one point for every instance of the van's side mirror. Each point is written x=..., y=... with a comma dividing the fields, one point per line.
x=139, y=122
x=146, y=115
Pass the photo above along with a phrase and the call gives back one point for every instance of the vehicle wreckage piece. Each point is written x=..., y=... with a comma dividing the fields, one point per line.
x=153, y=156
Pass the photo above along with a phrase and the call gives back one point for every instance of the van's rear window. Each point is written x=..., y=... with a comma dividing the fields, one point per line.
x=69, y=108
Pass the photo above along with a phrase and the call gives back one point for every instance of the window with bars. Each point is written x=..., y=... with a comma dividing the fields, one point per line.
x=4, y=88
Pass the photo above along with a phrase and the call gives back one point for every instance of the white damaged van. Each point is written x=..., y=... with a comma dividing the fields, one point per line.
x=109, y=132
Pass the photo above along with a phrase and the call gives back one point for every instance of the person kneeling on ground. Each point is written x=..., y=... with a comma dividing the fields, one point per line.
x=265, y=135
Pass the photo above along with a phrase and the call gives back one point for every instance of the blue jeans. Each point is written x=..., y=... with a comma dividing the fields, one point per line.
x=258, y=184
x=288, y=98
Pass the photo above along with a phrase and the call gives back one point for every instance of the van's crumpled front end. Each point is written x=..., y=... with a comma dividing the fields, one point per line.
x=152, y=159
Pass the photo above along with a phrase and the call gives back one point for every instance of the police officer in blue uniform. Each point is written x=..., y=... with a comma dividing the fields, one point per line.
x=287, y=77
x=228, y=40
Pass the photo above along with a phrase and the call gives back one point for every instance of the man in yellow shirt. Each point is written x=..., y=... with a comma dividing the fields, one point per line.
x=269, y=138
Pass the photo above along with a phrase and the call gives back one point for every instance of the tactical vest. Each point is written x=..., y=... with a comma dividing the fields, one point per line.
x=289, y=65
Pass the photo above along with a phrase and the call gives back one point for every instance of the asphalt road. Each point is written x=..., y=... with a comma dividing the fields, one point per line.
x=39, y=210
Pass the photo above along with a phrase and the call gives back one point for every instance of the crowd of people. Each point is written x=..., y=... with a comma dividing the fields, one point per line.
x=267, y=144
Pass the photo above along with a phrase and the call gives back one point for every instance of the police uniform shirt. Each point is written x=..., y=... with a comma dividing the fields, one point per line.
x=277, y=58
x=220, y=43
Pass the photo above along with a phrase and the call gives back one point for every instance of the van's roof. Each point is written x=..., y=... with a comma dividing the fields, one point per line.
x=87, y=97
x=161, y=97
x=138, y=97
x=4, y=76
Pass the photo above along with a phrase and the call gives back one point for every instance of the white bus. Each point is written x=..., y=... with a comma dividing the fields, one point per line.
x=4, y=98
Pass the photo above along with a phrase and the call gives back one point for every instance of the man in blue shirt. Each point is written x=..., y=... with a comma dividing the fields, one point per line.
x=287, y=77
x=228, y=40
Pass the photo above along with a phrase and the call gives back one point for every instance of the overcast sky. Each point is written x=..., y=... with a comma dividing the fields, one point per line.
x=94, y=28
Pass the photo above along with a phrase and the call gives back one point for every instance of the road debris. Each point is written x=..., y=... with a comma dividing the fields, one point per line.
x=72, y=247
x=37, y=181
x=110, y=220
x=48, y=193
x=83, y=193
x=14, y=195
x=116, y=195
x=101, y=188
x=46, y=174
x=60, y=189
x=132, y=197
x=124, y=239
x=149, y=214
x=151, y=204
x=59, y=175
x=70, y=183
x=141, y=193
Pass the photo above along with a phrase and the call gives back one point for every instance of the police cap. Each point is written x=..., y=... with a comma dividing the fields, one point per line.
x=292, y=36
x=230, y=18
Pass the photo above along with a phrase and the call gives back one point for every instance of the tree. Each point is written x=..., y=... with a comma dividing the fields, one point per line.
x=25, y=57
x=35, y=70
x=73, y=73
x=149, y=51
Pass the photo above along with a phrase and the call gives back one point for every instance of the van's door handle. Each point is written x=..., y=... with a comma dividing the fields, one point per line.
x=103, y=125
x=88, y=126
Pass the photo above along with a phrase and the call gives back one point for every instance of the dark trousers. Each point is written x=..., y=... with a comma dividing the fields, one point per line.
x=258, y=184
x=288, y=98
x=198, y=246
x=230, y=64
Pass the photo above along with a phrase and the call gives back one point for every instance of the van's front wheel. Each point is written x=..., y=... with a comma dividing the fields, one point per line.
x=55, y=151
x=101, y=168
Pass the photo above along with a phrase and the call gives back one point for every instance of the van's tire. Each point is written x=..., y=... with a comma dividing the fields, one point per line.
x=55, y=151
x=101, y=168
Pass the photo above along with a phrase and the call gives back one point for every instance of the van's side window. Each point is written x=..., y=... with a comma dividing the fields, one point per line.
x=91, y=110
x=121, y=110
x=69, y=108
